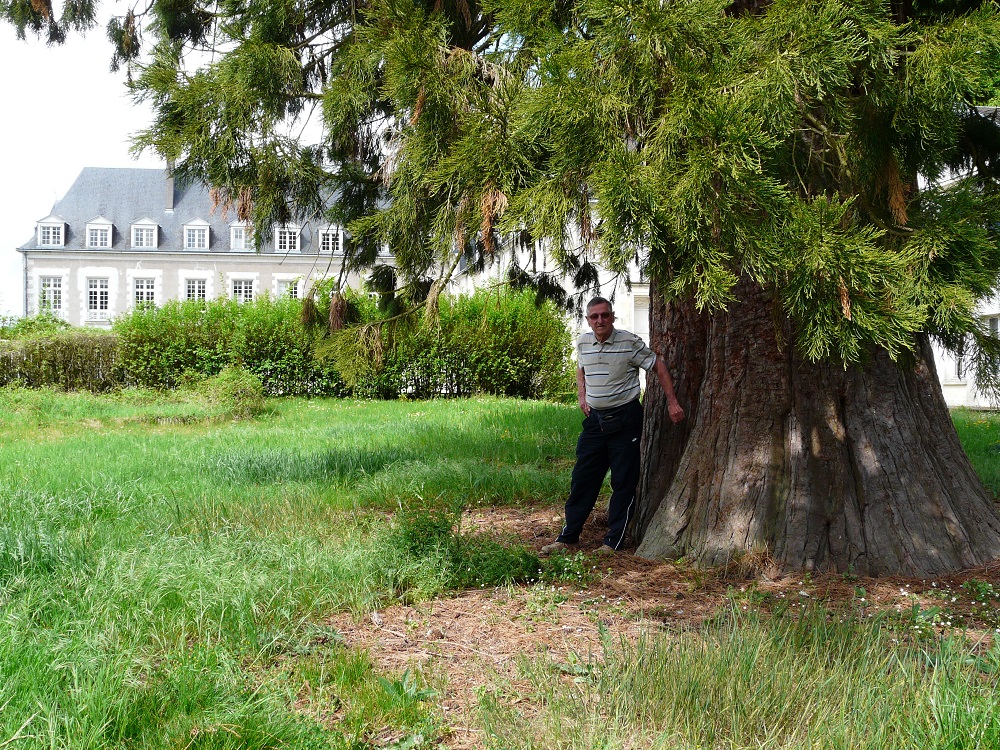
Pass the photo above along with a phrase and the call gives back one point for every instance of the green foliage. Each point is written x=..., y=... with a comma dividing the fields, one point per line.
x=161, y=345
x=485, y=344
x=241, y=392
x=406, y=689
x=577, y=568
x=43, y=19
x=981, y=591
x=38, y=326
x=428, y=534
x=492, y=342
x=771, y=144
x=271, y=341
x=71, y=360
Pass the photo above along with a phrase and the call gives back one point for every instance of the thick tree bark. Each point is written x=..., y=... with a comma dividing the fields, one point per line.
x=820, y=467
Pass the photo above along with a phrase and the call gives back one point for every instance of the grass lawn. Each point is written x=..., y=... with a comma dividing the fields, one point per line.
x=980, y=434
x=171, y=578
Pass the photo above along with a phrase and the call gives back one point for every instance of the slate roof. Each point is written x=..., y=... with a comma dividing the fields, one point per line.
x=128, y=196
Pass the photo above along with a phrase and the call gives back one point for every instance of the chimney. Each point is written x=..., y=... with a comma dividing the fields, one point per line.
x=169, y=207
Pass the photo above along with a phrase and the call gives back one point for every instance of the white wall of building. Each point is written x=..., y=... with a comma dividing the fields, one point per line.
x=958, y=382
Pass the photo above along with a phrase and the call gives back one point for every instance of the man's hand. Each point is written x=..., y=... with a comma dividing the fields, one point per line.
x=585, y=407
x=676, y=411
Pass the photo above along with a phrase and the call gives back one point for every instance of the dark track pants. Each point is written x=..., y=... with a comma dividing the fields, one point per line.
x=596, y=452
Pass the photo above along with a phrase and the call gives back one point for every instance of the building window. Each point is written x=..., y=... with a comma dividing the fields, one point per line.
x=98, y=299
x=243, y=290
x=286, y=239
x=194, y=289
x=195, y=238
x=238, y=238
x=50, y=294
x=288, y=288
x=145, y=291
x=50, y=235
x=99, y=237
x=143, y=237
x=329, y=241
x=994, y=324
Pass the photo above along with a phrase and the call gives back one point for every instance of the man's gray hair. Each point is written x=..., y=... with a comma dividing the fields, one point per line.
x=599, y=301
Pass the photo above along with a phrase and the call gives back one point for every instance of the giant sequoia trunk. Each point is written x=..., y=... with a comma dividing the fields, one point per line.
x=824, y=468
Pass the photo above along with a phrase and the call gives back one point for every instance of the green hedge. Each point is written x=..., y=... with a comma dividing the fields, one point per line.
x=71, y=360
x=490, y=342
x=487, y=343
x=162, y=346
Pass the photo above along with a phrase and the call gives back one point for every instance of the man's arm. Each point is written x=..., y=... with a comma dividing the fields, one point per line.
x=581, y=391
x=667, y=384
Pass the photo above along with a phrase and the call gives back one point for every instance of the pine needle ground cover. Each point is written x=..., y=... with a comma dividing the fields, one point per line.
x=361, y=574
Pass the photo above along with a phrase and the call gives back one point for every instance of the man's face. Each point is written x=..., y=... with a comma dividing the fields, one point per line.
x=601, y=320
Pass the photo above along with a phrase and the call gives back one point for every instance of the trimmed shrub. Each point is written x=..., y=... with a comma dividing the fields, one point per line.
x=491, y=342
x=161, y=346
x=71, y=360
x=271, y=341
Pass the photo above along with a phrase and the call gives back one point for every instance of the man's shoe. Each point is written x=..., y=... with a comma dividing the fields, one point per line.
x=548, y=549
x=605, y=550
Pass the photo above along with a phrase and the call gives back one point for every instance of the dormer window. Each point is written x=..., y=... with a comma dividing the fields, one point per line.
x=99, y=233
x=330, y=241
x=196, y=238
x=144, y=234
x=239, y=237
x=286, y=239
x=99, y=237
x=51, y=233
x=196, y=235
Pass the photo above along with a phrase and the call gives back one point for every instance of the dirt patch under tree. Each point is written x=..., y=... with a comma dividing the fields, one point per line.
x=476, y=638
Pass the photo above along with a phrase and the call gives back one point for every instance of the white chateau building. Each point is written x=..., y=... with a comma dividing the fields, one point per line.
x=122, y=237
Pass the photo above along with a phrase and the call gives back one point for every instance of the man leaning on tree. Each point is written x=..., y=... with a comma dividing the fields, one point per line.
x=607, y=381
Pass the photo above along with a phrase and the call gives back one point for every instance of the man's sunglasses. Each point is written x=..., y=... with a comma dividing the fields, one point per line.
x=599, y=316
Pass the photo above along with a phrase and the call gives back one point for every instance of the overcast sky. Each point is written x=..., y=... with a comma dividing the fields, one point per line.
x=62, y=110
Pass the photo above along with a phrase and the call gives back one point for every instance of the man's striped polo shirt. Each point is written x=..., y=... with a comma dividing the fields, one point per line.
x=611, y=368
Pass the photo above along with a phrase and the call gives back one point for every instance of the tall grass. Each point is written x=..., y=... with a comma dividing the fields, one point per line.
x=167, y=573
x=809, y=681
x=156, y=571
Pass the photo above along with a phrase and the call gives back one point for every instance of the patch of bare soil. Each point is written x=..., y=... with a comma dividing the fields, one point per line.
x=479, y=638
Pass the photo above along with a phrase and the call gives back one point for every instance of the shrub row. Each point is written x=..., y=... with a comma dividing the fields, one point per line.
x=162, y=346
x=71, y=360
x=40, y=326
x=487, y=343
x=496, y=343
